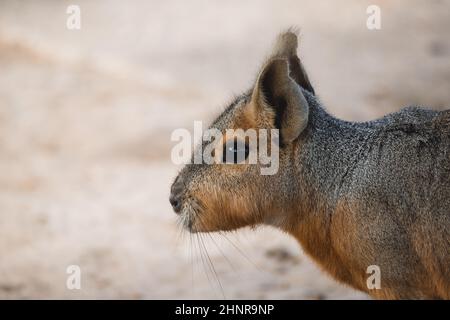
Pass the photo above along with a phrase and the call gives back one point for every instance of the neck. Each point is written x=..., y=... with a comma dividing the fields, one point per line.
x=325, y=155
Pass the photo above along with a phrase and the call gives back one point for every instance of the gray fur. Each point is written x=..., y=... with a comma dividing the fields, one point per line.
x=353, y=194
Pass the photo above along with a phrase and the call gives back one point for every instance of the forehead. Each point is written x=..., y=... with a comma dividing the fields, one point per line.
x=228, y=118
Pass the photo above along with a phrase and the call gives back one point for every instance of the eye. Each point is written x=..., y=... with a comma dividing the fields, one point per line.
x=235, y=151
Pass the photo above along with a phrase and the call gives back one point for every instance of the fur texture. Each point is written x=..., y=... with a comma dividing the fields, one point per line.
x=352, y=194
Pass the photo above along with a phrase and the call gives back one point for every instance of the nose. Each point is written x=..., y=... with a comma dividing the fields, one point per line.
x=175, y=202
x=175, y=195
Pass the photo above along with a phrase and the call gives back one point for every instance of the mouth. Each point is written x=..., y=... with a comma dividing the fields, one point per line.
x=189, y=215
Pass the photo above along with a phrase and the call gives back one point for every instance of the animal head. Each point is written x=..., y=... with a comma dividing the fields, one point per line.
x=233, y=193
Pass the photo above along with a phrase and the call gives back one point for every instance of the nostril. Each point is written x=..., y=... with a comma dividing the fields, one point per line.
x=175, y=202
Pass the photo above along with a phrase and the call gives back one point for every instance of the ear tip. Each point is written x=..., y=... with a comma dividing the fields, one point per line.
x=291, y=33
x=287, y=42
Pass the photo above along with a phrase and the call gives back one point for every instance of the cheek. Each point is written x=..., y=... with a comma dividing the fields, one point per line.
x=227, y=207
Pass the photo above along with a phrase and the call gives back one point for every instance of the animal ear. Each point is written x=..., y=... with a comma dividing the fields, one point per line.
x=276, y=93
x=286, y=47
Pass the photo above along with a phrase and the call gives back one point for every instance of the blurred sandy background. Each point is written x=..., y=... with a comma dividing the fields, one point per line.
x=86, y=117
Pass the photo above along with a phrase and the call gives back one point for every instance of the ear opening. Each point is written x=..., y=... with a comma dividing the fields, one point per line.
x=276, y=92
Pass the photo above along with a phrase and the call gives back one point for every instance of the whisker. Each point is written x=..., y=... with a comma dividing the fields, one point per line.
x=218, y=247
x=240, y=251
x=180, y=232
x=191, y=258
x=203, y=261
x=213, y=269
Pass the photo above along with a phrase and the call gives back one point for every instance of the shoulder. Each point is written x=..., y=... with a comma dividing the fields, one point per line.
x=411, y=119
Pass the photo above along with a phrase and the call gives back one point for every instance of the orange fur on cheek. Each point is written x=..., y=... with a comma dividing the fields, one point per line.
x=224, y=211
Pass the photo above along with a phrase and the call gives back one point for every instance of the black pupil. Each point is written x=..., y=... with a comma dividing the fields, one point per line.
x=235, y=151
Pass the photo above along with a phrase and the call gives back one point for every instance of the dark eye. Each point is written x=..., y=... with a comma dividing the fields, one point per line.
x=235, y=151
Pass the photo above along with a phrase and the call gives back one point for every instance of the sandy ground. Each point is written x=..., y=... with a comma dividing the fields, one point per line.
x=86, y=117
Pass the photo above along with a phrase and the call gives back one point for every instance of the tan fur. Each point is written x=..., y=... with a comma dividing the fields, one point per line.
x=344, y=224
